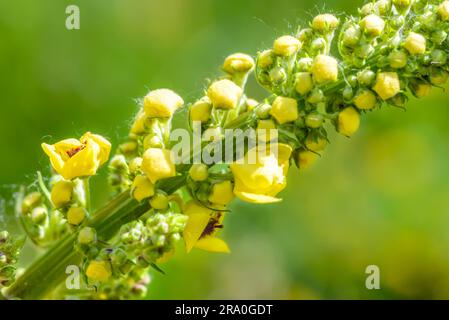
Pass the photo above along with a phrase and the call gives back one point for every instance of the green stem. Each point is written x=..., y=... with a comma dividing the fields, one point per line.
x=86, y=186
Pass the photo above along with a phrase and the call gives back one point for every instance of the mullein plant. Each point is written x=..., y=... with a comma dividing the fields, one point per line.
x=392, y=48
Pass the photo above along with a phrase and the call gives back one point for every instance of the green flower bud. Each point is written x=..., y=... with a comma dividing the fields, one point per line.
x=315, y=96
x=263, y=112
x=367, y=9
x=382, y=7
x=4, y=236
x=278, y=75
x=265, y=59
x=30, y=201
x=439, y=57
x=366, y=77
x=3, y=259
x=398, y=100
x=397, y=59
x=364, y=51
x=318, y=44
x=438, y=36
x=348, y=93
x=351, y=36
x=39, y=215
x=352, y=80
x=438, y=77
x=304, y=64
x=305, y=35
x=314, y=120
x=199, y=172
x=152, y=141
x=118, y=163
x=87, y=235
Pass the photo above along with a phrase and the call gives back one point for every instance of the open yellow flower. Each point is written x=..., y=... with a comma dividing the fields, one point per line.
x=73, y=158
x=261, y=175
x=201, y=228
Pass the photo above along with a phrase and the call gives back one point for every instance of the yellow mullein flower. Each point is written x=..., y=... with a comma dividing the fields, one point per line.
x=201, y=110
x=161, y=103
x=201, y=228
x=265, y=59
x=348, y=121
x=238, y=63
x=387, y=85
x=261, y=175
x=284, y=109
x=221, y=193
x=286, y=46
x=73, y=158
x=142, y=188
x=324, y=68
x=61, y=193
x=365, y=100
x=415, y=43
x=224, y=94
x=99, y=270
x=157, y=164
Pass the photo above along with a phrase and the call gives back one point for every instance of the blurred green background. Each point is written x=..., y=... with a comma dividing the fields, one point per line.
x=379, y=198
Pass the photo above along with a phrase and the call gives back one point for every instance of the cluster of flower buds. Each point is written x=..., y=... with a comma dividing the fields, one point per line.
x=9, y=252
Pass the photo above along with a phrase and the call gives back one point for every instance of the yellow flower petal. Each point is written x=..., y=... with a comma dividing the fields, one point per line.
x=157, y=164
x=195, y=226
x=256, y=198
x=213, y=244
x=84, y=163
x=105, y=145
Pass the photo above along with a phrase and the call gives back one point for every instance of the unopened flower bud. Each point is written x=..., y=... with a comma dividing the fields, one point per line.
x=118, y=257
x=39, y=215
x=367, y=9
x=315, y=144
x=128, y=148
x=278, y=75
x=420, y=89
x=135, y=164
x=364, y=51
x=159, y=201
x=438, y=77
x=161, y=103
x=238, y=63
x=305, y=35
x=314, y=120
x=224, y=94
x=251, y=104
x=284, y=110
x=87, y=235
x=61, y=193
x=399, y=4
x=318, y=44
x=152, y=140
x=397, y=59
x=201, y=110
x=30, y=201
x=286, y=46
x=439, y=36
x=263, y=111
x=222, y=193
x=138, y=126
x=305, y=159
x=158, y=164
x=366, y=77
x=415, y=43
x=443, y=10
x=99, y=270
x=316, y=96
x=382, y=7
x=118, y=163
x=398, y=100
x=325, y=22
x=4, y=236
x=348, y=121
x=199, y=172
x=351, y=36
x=324, y=69
x=303, y=82
x=373, y=25
x=365, y=99
x=76, y=215
x=265, y=59
x=305, y=64
x=387, y=85
x=439, y=57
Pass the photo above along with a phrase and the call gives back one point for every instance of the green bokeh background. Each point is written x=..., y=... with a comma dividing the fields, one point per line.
x=379, y=198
